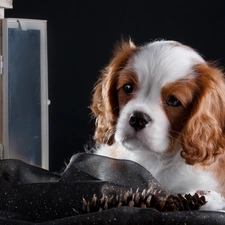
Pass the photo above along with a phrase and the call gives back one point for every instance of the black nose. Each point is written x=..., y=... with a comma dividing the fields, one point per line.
x=138, y=120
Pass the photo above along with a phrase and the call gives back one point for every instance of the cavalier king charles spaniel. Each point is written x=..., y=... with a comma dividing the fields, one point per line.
x=163, y=106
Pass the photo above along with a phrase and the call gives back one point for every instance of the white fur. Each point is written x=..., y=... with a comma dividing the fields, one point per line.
x=215, y=201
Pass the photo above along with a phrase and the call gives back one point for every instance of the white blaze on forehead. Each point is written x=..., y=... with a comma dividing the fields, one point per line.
x=161, y=62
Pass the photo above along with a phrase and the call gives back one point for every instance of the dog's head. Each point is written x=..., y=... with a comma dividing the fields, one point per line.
x=159, y=97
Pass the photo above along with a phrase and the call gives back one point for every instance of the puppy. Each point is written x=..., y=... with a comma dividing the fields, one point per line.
x=163, y=106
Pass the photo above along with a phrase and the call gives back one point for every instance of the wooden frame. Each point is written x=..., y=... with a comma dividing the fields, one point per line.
x=4, y=4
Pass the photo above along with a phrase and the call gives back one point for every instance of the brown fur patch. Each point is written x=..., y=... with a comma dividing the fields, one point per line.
x=126, y=77
x=105, y=106
x=184, y=90
x=203, y=136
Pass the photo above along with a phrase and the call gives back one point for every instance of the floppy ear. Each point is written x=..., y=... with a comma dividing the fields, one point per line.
x=105, y=101
x=203, y=137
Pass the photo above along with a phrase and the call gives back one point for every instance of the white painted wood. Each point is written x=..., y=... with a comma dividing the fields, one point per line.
x=7, y=4
x=2, y=13
x=4, y=4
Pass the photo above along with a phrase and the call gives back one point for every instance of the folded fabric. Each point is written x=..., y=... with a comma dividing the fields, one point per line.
x=92, y=190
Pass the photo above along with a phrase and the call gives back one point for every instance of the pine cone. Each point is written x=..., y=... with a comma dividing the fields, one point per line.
x=144, y=199
x=184, y=203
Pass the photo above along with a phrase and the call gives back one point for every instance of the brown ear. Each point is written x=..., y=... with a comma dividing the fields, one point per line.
x=203, y=138
x=105, y=102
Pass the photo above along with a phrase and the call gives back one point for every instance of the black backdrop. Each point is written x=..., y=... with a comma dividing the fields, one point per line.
x=81, y=35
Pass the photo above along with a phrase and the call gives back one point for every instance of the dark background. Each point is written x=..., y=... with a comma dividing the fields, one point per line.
x=81, y=36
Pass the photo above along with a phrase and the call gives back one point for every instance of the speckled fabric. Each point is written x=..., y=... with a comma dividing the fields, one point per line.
x=87, y=192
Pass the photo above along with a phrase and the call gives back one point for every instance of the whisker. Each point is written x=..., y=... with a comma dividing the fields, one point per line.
x=175, y=139
x=176, y=132
x=115, y=109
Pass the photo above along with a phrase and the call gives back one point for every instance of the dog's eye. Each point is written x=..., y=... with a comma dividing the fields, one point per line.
x=128, y=89
x=173, y=102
